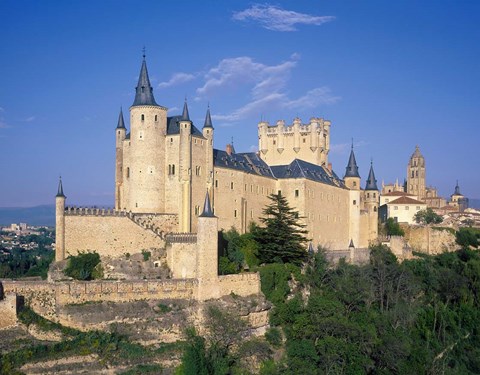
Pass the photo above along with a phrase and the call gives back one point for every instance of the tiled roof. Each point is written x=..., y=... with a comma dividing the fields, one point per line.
x=397, y=194
x=406, y=200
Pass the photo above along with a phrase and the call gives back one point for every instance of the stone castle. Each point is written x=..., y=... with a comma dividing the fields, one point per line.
x=170, y=181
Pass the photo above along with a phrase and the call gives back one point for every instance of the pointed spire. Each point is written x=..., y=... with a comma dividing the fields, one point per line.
x=351, y=244
x=371, y=181
x=144, y=90
x=352, y=168
x=60, y=188
x=121, y=123
x=185, y=115
x=208, y=119
x=457, y=189
x=207, y=208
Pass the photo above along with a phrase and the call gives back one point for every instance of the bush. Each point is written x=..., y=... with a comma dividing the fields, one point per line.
x=274, y=337
x=393, y=228
x=84, y=266
x=466, y=237
x=146, y=255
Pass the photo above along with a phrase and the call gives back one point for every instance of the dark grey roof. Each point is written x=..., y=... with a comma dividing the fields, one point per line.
x=144, y=90
x=310, y=250
x=121, y=123
x=457, y=189
x=173, y=126
x=207, y=208
x=371, y=182
x=302, y=169
x=247, y=162
x=352, y=168
x=208, y=120
x=60, y=189
x=185, y=115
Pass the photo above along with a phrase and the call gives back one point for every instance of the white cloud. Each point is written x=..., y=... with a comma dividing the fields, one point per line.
x=266, y=85
x=173, y=109
x=274, y=18
x=341, y=148
x=176, y=79
x=29, y=119
x=238, y=71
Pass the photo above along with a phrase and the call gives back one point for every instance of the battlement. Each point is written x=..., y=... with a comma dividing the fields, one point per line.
x=280, y=144
x=181, y=238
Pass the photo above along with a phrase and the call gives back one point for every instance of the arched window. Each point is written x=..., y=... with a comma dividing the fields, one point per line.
x=143, y=117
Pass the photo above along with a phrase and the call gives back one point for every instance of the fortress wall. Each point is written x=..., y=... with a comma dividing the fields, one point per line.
x=364, y=229
x=108, y=235
x=181, y=259
x=199, y=188
x=124, y=291
x=428, y=240
x=39, y=295
x=243, y=284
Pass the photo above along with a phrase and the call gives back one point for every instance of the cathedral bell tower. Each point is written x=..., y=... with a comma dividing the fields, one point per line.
x=416, y=175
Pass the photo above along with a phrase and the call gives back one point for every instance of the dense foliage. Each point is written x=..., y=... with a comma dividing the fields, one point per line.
x=393, y=228
x=237, y=251
x=84, y=266
x=420, y=316
x=282, y=239
x=21, y=262
x=427, y=216
x=466, y=237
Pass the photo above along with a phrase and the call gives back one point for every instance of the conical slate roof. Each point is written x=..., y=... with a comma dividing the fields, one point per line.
x=144, y=90
x=185, y=115
x=352, y=168
x=417, y=153
x=207, y=208
x=60, y=189
x=121, y=123
x=208, y=120
x=371, y=181
x=457, y=189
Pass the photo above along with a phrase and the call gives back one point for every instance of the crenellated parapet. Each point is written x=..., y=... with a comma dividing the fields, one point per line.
x=280, y=144
x=181, y=238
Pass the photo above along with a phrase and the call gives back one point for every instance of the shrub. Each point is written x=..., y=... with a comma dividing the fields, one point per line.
x=274, y=337
x=84, y=266
x=146, y=255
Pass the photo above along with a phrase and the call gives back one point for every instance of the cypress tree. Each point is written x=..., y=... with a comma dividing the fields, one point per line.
x=282, y=238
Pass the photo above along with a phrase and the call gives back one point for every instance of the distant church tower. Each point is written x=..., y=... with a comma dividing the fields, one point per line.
x=416, y=174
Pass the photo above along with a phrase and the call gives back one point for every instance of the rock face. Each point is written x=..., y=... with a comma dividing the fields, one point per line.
x=430, y=240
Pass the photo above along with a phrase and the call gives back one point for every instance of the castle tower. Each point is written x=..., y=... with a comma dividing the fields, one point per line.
x=352, y=181
x=145, y=173
x=60, y=223
x=185, y=170
x=416, y=175
x=207, y=132
x=371, y=201
x=119, y=138
x=207, y=251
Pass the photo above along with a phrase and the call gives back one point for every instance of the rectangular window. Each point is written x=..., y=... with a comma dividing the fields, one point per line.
x=231, y=187
x=297, y=193
x=234, y=213
x=395, y=207
x=407, y=207
x=216, y=183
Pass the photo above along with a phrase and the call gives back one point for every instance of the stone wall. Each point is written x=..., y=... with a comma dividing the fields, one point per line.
x=114, y=235
x=429, y=240
x=243, y=284
x=182, y=255
x=8, y=310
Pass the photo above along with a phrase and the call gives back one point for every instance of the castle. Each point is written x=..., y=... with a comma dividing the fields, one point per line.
x=166, y=166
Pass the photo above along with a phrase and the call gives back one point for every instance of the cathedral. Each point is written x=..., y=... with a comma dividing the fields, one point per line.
x=165, y=166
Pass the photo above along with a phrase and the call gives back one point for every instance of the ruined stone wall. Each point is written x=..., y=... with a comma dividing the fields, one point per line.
x=429, y=240
x=243, y=284
x=112, y=235
x=8, y=310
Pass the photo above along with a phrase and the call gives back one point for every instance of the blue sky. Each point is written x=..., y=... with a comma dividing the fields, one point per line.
x=388, y=74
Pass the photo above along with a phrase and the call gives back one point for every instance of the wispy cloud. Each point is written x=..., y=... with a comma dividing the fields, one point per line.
x=274, y=18
x=173, y=109
x=30, y=119
x=2, y=109
x=266, y=85
x=341, y=148
x=177, y=79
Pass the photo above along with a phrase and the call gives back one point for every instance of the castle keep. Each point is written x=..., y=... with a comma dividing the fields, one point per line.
x=166, y=165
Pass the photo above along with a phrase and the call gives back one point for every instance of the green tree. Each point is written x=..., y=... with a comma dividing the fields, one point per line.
x=282, y=238
x=427, y=216
x=466, y=237
x=393, y=228
x=84, y=266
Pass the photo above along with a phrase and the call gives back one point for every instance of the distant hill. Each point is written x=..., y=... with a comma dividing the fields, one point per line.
x=39, y=215
x=474, y=203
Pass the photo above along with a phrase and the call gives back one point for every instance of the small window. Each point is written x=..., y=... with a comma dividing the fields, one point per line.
x=216, y=183
x=304, y=140
x=395, y=207
x=354, y=183
x=387, y=200
x=234, y=213
x=279, y=192
x=156, y=118
x=374, y=209
x=297, y=193
x=354, y=202
x=418, y=207
x=128, y=172
x=368, y=195
x=143, y=117
x=171, y=140
x=274, y=142
x=407, y=207
x=231, y=187
x=245, y=187
x=173, y=169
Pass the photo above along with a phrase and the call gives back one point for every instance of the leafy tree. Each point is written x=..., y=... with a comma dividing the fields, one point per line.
x=466, y=237
x=393, y=228
x=282, y=239
x=84, y=266
x=427, y=216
